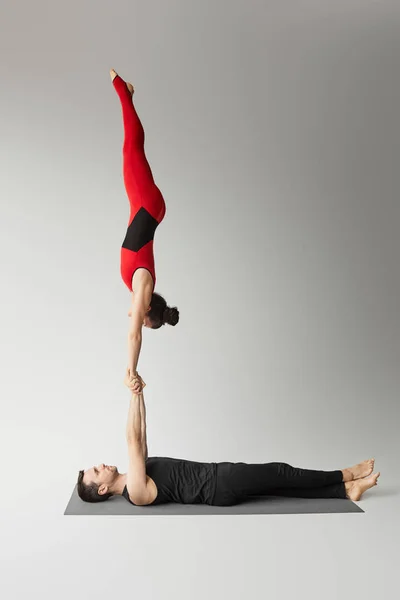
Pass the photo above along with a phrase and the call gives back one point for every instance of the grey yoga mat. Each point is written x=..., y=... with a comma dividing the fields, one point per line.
x=265, y=505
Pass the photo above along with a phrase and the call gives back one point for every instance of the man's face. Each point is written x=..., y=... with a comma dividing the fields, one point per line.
x=102, y=475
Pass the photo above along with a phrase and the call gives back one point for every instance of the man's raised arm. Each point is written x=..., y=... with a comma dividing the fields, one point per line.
x=137, y=449
x=143, y=425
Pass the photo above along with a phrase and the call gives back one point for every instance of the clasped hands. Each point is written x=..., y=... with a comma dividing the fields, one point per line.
x=134, y=382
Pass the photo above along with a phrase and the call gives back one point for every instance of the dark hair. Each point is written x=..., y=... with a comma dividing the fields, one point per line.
x=90, y=493
x=160, y=314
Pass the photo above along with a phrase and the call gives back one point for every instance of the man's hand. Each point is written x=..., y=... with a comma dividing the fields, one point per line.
x=134, y=382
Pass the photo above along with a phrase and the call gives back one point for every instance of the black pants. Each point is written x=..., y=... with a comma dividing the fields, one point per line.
x=237, y=482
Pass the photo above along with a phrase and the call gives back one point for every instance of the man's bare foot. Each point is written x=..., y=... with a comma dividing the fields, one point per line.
x=363, y=469
x=114, y=74
x=355, y=489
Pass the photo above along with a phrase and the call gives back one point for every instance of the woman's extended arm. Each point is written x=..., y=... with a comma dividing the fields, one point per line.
x=138, y=311
x=141, y=298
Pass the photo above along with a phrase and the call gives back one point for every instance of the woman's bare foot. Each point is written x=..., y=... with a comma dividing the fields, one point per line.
x=130, y=88
x=355, y=489
x=114, y=74
x=363, y=469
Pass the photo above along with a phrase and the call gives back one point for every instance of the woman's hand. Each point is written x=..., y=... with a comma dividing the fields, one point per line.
x=134, y=382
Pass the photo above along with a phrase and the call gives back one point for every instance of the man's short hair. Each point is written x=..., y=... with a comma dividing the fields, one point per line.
x=90, y=492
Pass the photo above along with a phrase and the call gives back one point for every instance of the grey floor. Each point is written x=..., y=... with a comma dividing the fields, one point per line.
x=256, y=506
x=331, y=556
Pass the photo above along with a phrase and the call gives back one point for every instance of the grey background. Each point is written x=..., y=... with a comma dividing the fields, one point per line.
x=273, y=131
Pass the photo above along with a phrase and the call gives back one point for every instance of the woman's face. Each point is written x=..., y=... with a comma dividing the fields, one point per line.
x=146, y=320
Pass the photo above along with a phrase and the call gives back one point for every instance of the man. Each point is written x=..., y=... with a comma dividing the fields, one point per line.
x=159, y=480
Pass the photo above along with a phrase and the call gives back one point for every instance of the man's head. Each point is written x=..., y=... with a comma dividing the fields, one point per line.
x=97, y=484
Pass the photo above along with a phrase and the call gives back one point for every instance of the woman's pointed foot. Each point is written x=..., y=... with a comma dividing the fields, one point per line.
x=129, y=86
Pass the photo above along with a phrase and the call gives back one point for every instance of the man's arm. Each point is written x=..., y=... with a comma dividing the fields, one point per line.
x=137, y=479
x=144, y=427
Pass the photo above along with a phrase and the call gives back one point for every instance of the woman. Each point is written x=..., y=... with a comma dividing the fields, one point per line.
x=147, y=210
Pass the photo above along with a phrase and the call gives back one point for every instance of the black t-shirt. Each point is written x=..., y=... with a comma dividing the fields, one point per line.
x=181, y=481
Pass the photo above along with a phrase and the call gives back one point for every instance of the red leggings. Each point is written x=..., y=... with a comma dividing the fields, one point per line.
x=147, y=206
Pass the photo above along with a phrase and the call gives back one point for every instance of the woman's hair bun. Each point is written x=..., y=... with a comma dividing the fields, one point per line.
x=171, y=315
